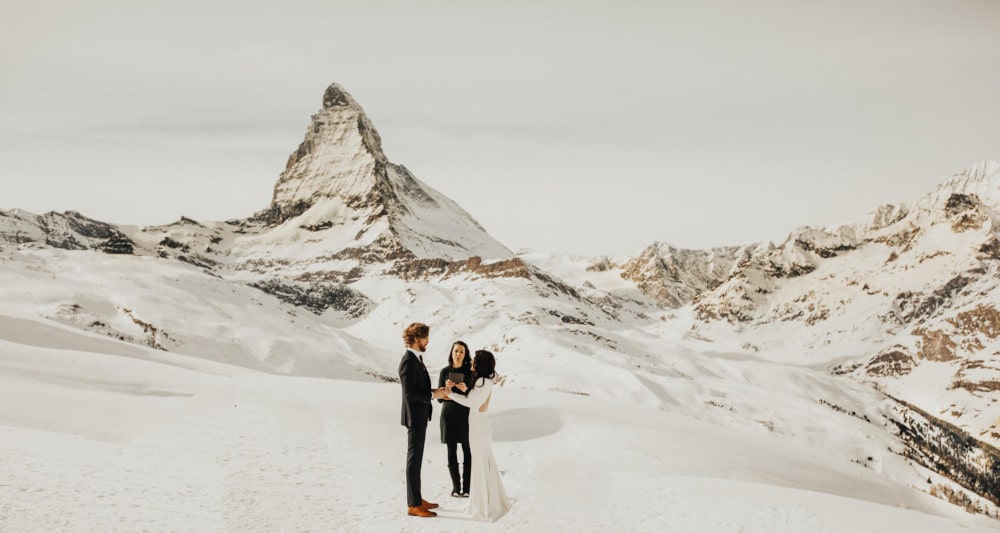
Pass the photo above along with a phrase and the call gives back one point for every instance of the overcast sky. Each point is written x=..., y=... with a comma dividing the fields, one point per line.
x=580, y=127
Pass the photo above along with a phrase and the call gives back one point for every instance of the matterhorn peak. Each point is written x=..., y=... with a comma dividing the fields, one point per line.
x=340, y=157
x=338, y=181
x=337, y=96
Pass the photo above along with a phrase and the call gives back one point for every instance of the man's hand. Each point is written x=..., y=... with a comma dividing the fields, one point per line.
x=440, y=394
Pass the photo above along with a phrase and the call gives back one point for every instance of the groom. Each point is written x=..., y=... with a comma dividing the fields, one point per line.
x=417, y=395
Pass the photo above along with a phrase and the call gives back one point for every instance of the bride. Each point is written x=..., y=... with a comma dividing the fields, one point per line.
x=487, y=498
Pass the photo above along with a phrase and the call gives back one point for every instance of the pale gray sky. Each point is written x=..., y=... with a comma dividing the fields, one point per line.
x=582, y=127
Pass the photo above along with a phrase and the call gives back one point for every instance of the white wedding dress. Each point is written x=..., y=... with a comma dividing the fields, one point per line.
x=487, y=498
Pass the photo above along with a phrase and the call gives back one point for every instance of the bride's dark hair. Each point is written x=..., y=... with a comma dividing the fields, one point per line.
x=485, y=365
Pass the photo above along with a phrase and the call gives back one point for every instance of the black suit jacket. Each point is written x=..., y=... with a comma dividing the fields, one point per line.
x=416, y=383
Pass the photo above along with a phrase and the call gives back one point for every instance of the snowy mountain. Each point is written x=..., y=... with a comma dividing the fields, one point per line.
x=674, y=277
x=351, y=201
x=904, y=298
x=865, y=344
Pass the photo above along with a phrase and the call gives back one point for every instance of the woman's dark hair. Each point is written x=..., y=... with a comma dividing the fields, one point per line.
x=467, y=362
x=486, y=365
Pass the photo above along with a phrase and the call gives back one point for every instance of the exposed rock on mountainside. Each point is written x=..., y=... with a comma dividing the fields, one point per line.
x=69, y=231
x=318, y=296
x=892, y=361
x=910, y=306
x=125, y=326
x=949, y=451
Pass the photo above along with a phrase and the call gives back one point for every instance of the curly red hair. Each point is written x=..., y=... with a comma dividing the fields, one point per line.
x=416, y=331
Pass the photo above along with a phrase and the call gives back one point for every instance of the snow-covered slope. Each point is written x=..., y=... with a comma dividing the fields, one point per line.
x=117, y=438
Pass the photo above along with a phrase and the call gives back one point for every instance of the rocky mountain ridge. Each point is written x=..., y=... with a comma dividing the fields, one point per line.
x=69, y=231
x=675, y=277
x=910, y=287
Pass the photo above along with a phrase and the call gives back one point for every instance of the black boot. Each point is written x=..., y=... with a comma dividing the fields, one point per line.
x=466, y=474
x=456, y=484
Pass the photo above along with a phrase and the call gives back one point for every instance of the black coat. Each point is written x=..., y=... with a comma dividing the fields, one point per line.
x=454, y=417
x=416, y=383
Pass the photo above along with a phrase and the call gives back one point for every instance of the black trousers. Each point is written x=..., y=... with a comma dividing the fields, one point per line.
x=453, y=452
x=416, y=436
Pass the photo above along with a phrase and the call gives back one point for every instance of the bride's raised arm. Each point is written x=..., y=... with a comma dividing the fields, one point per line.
x=477, y=396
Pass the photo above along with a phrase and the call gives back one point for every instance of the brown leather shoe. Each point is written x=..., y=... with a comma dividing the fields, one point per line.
x=428, y=505
x=420, y=511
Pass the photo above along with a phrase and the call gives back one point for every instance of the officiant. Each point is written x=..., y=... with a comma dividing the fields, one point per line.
x=455, y=418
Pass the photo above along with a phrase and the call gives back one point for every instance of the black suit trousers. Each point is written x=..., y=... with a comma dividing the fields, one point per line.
x=416, y=436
